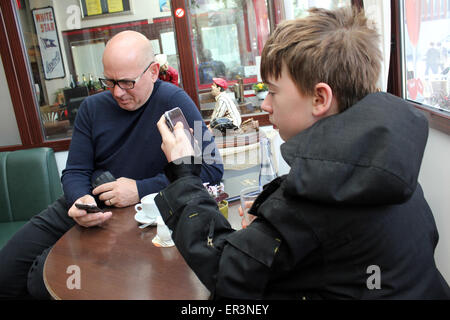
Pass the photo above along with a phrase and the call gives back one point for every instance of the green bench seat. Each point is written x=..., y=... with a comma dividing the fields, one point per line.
x=29, y=182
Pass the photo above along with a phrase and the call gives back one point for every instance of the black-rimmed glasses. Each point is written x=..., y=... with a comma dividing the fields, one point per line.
x=124, y=84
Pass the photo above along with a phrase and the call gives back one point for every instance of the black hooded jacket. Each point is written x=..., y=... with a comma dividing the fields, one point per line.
x=349, y=221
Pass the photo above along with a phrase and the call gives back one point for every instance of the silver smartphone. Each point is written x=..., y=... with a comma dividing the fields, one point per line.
x=173, y=117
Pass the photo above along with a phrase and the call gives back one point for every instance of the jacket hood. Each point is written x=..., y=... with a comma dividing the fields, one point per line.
x=368, y=154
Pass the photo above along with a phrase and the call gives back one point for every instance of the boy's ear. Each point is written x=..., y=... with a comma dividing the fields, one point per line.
x=322, y=100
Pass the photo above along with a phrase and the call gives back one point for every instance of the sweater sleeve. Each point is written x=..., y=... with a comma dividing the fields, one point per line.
x=76, y=177
x=151, y=185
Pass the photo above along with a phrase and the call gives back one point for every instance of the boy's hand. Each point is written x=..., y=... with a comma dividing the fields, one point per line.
x=250, y=217
x=176, y=144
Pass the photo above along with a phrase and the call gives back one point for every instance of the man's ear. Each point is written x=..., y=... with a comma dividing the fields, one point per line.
x=154, y=69
x=322, y=100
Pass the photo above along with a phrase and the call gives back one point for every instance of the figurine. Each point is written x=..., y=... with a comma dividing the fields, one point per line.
x=166, y=72
x=225, y=106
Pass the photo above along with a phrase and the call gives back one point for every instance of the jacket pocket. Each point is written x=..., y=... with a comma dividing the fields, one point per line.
x=245, y=265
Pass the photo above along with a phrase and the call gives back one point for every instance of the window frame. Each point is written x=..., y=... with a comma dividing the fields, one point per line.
x=15, y=62
x=438, y=120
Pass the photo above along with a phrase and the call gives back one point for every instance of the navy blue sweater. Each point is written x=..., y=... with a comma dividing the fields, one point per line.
x=128, y=143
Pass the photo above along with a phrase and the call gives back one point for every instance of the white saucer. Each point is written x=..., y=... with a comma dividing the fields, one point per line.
x=142, y=218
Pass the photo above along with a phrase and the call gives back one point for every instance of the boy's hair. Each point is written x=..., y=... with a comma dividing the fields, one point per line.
x=337, y=47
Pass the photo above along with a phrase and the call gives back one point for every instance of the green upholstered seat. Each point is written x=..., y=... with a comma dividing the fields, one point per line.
x=29, y=182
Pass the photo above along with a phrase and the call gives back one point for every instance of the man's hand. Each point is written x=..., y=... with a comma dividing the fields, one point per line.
x=120, y=193
x=83, y=218
x=176, y=144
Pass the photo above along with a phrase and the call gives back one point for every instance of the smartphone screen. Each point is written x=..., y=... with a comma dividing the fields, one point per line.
x=173, y=117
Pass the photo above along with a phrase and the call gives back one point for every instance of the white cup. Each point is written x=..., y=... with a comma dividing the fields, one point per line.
x=148, y=206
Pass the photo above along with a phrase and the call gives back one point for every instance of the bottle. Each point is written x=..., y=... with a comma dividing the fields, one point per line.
x=266, y=171
x=73, y=84
x=91, y=82
x=84, y=80
x=241, y=91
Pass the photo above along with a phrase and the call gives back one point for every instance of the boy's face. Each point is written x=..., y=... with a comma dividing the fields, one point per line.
x=289, y=111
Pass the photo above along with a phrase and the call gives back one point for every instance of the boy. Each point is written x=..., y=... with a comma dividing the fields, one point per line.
x=349, y=221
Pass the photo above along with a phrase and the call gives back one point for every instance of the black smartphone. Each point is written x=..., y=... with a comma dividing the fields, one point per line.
x=105, y=177
x=173, y=117
x=90, y=208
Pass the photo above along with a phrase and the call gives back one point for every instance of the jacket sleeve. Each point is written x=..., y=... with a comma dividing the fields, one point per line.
x=231, y=264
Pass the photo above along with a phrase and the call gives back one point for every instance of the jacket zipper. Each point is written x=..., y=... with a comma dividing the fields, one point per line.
x=209, y=239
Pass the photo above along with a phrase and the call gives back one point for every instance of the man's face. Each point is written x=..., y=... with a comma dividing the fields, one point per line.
x=289, y=110
x=163, y=68
x=132, y=99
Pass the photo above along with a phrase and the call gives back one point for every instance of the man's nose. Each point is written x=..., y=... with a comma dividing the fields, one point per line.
x=118, y=91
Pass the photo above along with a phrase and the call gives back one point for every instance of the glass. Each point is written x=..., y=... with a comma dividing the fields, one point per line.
x=425, y=53
x=123, y=84
x=228, y=38
x=267, y=171
x=64, y=41
x=248, y=196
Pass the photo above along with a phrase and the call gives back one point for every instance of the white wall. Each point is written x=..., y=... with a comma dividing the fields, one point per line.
x=435, y=180
x=61, y=159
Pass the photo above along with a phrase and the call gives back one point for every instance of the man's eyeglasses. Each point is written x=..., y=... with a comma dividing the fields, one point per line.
x=123, y=84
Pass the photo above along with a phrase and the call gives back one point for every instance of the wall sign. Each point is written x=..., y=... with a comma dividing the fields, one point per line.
x=179, y=12
x=99, y=7
x=47, y=36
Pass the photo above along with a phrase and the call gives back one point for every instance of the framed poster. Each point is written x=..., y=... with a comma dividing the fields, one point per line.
x=100, y=7
x=47, y=36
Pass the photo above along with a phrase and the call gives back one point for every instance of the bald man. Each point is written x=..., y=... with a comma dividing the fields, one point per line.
x=114, y=131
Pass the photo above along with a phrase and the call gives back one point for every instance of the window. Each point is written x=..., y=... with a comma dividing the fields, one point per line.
x=228, y=38
x=40, y=105
x=425, y=61
x=64, y=53
x=299, y=8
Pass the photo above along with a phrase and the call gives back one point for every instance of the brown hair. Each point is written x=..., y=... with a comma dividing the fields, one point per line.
x=337, y=47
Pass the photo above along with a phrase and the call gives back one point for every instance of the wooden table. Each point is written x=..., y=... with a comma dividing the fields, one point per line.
x=119, y=261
